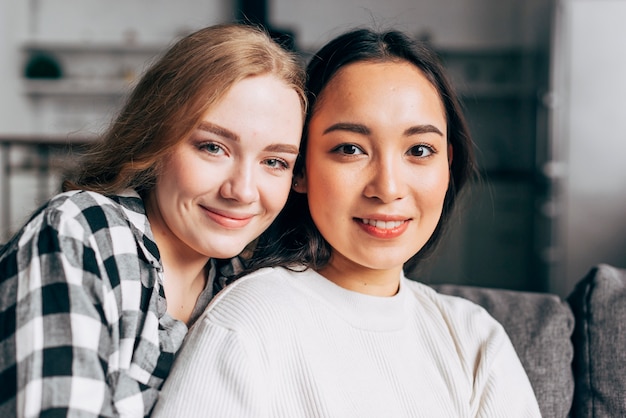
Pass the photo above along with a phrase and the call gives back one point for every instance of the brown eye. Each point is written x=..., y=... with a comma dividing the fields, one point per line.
x=348, y=149
x=421, y=151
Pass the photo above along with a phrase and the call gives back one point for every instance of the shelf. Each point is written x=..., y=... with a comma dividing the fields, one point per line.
x=492, y=74
x=45, y=139
x=92, y=47
x=486, y=90
x=76, y=87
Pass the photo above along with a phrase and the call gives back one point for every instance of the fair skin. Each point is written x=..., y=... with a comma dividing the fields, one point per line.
x=377, y=171
x=224, y=184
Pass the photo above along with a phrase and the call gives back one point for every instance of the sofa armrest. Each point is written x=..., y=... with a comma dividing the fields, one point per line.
x=540, y=327
x=599, y=306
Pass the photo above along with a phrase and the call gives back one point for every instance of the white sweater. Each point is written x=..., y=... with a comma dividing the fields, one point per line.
x=283, y=344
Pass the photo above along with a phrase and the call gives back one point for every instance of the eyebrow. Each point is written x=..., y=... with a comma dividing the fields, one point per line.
x=282, y=148
x=218, y=130
x=423, y=129
x=350, y=127
x=364, y=130
x=225, y=133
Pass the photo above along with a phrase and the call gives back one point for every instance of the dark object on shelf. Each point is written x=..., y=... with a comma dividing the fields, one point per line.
x=255, y=12
x=41, y=65
x=285, y=37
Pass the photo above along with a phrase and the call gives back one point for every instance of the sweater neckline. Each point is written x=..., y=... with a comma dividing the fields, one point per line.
x=368, y=312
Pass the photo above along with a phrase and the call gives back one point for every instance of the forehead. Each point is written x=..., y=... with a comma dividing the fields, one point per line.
x=388, y=73
x=381, y=88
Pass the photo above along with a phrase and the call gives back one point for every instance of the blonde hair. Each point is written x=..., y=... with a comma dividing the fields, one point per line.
x=171, y=98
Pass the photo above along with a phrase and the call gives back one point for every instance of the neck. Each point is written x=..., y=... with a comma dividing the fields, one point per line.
x=185, y=271
x=184, y=280
x=182, y=290
x=363, y=279
x=180, y=263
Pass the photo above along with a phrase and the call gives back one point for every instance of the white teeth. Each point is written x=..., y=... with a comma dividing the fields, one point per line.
x=382, y=224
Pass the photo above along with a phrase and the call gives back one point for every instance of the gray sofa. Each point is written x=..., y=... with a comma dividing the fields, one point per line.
x=573, y=350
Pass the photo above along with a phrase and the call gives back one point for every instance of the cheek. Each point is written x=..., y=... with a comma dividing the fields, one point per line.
x=327, y=185
x=179, y=175
x=436, y=186
x=192, y=177
x=325, y=177
x=274, y=192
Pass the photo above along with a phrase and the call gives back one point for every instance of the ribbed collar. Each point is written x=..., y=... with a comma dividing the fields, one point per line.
x=374, y=313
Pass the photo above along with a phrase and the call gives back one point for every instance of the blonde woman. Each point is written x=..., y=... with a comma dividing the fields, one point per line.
x=99, y=289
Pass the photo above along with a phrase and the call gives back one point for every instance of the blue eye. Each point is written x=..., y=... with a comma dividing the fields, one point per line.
x=276, y=163
x=348, y=149
x=212, y=148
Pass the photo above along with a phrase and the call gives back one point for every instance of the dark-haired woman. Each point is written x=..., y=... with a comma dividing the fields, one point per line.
x=336, y=330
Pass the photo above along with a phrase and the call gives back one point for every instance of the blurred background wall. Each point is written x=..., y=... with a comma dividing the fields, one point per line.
x=541, y=80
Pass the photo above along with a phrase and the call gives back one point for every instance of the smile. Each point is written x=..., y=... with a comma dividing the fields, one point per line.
x=228, y=220
x=383, y=229
x=382, y=224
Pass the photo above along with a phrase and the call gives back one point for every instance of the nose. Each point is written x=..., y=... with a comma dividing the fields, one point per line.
x=386, y=181
x=240, y=185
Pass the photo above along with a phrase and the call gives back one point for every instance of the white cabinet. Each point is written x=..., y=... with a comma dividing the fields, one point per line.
x=589, y=141
x=93, y=80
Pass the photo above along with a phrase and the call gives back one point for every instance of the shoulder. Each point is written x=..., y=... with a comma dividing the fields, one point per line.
x=89, y=209
x=479, y=341
x=90, y=217
x=268, y=292
x=266, y=285
x=69, y=213
x=94, y=210
x=450, y=305
x=79, y=219
x=484, y=352
x=465, y=320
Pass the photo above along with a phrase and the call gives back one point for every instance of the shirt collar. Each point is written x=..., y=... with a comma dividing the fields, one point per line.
x=135, y=213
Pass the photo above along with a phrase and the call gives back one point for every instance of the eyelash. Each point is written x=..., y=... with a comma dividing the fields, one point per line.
x=205, y=146
x=282, y=164
x=340, y=149
x=430, y=149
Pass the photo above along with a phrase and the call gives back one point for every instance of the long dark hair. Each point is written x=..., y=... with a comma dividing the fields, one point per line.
x=293, y=239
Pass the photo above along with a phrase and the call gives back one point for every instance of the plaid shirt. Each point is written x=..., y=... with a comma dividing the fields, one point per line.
x=83, y=325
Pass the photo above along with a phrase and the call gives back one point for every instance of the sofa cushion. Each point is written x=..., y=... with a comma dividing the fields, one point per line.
x=540, y=327
x=599, y=306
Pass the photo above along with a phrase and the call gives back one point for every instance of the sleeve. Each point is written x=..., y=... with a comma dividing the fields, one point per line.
x=62, y=338
x=213, y=376
x=501, y=386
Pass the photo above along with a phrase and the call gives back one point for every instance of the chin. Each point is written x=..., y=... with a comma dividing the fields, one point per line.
x=222, y=250
x=227, y=254
x=384, y=265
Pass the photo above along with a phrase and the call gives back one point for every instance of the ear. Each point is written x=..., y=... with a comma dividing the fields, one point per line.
x=299, y=183
x=450, y=154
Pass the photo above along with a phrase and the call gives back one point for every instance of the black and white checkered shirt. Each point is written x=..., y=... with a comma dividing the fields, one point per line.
x=83, y=325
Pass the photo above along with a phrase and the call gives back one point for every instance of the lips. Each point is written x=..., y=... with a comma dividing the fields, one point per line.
x=382, y=224
x=383, y=228
x=227, y=219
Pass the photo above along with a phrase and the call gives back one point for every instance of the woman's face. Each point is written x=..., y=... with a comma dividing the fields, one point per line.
x=377, y=166
x=224, y=185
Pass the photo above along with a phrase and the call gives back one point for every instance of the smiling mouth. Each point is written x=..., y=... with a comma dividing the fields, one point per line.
x=228, y=220
x=381, y=224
